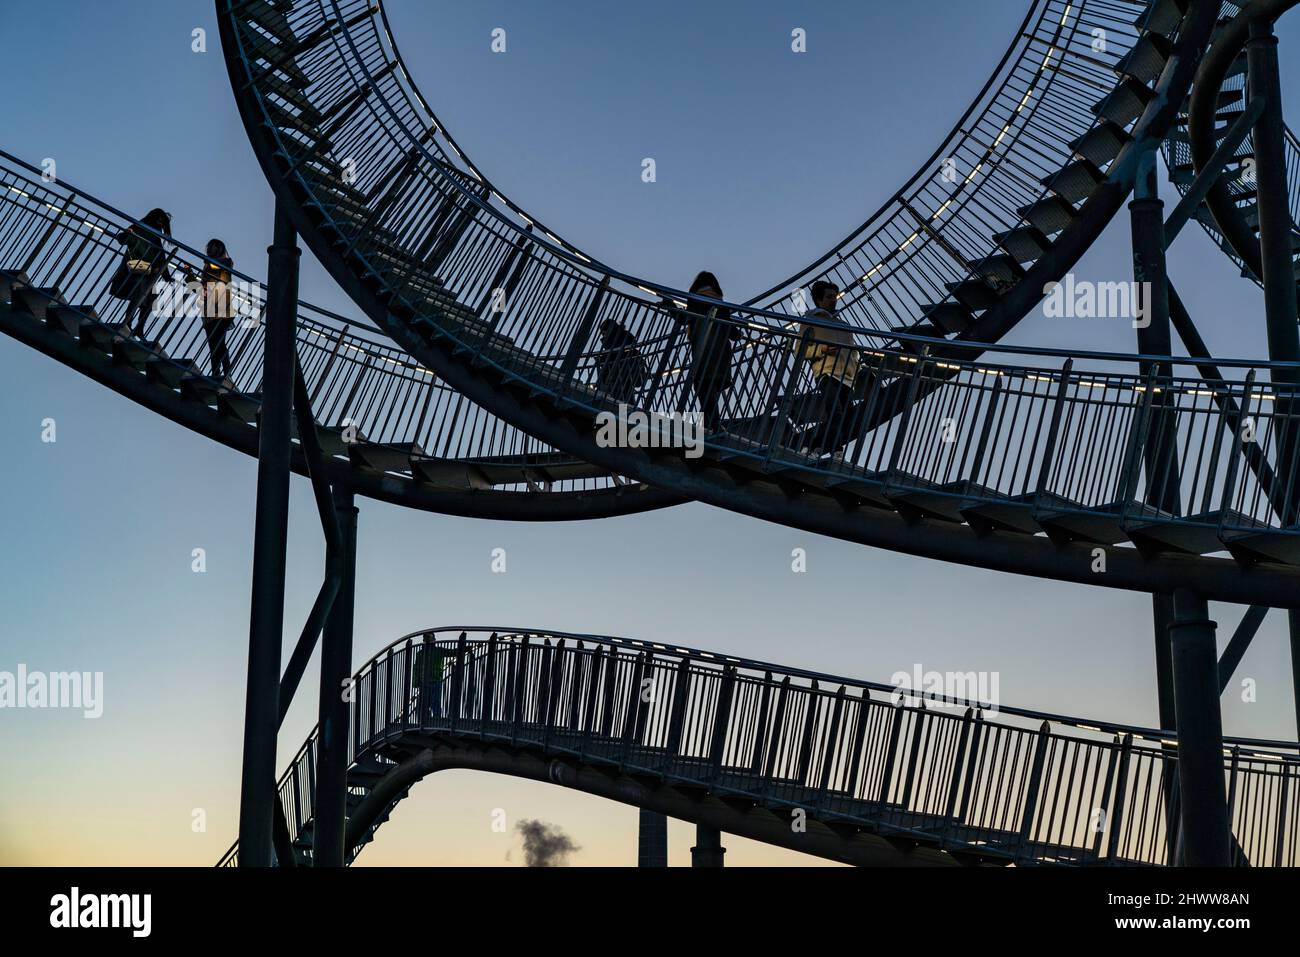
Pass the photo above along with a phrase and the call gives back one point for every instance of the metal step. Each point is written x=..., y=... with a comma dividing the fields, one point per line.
x=239, y=405
x=1101, y=144
x=952, y=317
x=947, y=502
x=1049, y=215
x=1076, y=182
x=11, y=279
x=1147, y=60
x=384, y=458
x=1016, y=513
x=1102, y=525
x=35, y=301
x=1193, y=535
x=1025, y=244
x=68, y=319
x=1279, y=546
x=100, y=336
x=136, y=353
x=1125, y=103
x=1164, y=17
x=170, y=372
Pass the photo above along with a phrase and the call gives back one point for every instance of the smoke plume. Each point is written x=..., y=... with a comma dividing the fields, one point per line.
x=545, y=845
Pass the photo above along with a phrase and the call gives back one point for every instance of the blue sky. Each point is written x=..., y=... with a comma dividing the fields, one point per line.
x=764, y=159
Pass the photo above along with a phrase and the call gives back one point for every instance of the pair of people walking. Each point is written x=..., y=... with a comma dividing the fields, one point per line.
x=145, y=266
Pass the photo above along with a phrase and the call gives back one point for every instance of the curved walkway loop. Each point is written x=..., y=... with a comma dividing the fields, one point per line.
x=390, y=429
x=1013, y=459
x=756, y=749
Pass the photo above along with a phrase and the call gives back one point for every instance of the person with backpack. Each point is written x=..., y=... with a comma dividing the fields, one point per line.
x=621, y=370
x=218, y=311
x=144, y=263
x=836, y=364
x=713, y=339
x=429, y=670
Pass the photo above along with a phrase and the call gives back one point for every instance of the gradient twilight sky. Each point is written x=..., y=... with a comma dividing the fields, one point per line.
x=764, y=158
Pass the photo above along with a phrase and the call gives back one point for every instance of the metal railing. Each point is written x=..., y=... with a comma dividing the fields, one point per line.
x=1007, y=784
x=965, y=420
x=359, y=382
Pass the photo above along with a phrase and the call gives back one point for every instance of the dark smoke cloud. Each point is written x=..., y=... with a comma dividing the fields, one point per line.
x=545, y=845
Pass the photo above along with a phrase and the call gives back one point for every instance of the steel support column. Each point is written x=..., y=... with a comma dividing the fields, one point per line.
x=1273, y=202
x=1275, y=248
x=708, y=850
x=1204, y=797
x=652, y=840
x=1294, y=621
x=336, y=668
x=1154, y=337
x=266, y=626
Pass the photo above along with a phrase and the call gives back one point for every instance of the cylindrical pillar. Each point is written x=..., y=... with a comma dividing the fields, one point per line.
x=1204, y=798
x=270, y=539
x=652, y=843
x=1154, y=335
x=331, y=801
x=1273, y=201
x=708, y=850
x=1293, y=622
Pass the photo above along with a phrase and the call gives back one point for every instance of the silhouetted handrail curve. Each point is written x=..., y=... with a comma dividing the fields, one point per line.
x=965, y=779
x=394, y=431
x=954, y=456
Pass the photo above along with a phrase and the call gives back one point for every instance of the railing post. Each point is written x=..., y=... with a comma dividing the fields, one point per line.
x=986, y=432
x=756, y=759
x=489, y=686
x=1116, y=819
x=796, y=354
x=1054, y=429
x=778, y=725
x=887, y=773
x=805, y=743
x=586, y=326
x=458, y=681
x=1035, y=786
x=631, y=716
x=859, y=740
x=677, y=715
x=1238, y=450
x=832, y=739
x=519, y=684
x=900, y=437
x=1132, y=466
x=1279, y=839
x=958, y=765
x=554, y=689
x=913, y=753
x=407, y=690
x=721, y=720
x=968, y=785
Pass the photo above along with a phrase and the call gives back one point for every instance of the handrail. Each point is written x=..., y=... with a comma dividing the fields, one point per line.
x=356, y=374
x=577, y=705
x=347, y=52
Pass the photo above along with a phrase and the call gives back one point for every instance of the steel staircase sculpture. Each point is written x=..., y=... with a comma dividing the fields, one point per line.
x=480, y=393
x=397, y=432
x=1221, y=105
x=881, y=777
x=990, y=455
